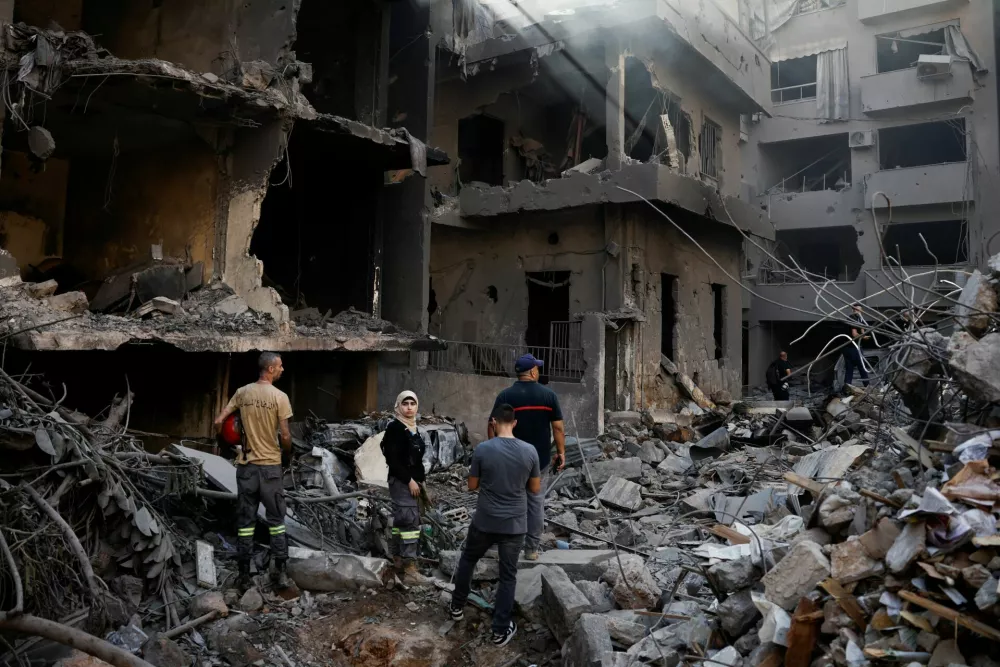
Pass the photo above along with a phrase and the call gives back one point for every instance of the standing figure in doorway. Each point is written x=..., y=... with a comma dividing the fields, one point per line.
x=264, y=413
x=777, y=376
x=404, y=454
x=852, y=351
x=539, y=422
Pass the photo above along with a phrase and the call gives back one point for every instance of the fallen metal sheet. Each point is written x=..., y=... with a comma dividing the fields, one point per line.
x=830, y=463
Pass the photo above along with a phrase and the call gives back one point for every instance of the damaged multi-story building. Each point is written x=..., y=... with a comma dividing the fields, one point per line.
x=592, y=212
x=879, y=156
x=187, y=183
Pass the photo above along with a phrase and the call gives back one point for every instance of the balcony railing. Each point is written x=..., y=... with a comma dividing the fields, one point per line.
x=562, y=364
x=805, y=91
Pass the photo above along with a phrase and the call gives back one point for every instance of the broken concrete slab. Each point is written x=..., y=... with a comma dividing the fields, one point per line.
x=796, y=574
x=42, y=290
x=588, y=643
x=880, y=538
x=632, y=584
x=208, y=602
x=233, y=305
x=563, y=603
x=625, y=632
x=831, y=462
x=621, y=494
x=737, y=614
x=850, y=562
x=528, y=592
x=487, y=569
x=628, y=468
x=69, y=302
x=650, y=453
x=976, y=364
x=578, y=564
x=975, y=304
x=735, y=575
x=205, y=563
x=599, y=594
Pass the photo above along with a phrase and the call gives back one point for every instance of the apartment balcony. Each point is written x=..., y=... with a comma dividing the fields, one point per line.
x=892, y=91
x=811, y=210
x=920, y=186
x=873, y=11
x=924, y=284
x=798, y=297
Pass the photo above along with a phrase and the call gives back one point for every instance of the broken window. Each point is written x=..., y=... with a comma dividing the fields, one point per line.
x=942, y=242
x=825, y=253
x=901, y=49
x=922, y=144
x=719, y=319
x=806, y=165
x=548, y=302
x=710, y=148
x=668, y=315
x=480, y=149
x=656, y=129
x=793, y=79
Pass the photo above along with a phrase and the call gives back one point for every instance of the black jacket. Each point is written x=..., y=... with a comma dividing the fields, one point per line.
x=404, y=452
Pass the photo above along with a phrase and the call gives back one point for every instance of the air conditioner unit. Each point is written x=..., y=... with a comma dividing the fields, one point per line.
x=862, y=139
x=930, y=66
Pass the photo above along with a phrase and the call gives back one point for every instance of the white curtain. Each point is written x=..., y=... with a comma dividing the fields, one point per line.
x=958, y=47
x=832, y=88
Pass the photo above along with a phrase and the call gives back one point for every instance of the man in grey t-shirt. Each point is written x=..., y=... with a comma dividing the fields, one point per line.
x=505, y=470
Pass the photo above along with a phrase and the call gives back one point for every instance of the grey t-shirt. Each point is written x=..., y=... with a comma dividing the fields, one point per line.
x=503, y=466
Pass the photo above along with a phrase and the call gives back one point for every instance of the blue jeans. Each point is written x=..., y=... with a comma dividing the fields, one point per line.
x=852, y=360
x=476, y=545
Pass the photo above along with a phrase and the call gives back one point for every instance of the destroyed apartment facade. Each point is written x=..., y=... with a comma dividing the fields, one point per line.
x=878, y=158
x=185, y=184
x=593, y=150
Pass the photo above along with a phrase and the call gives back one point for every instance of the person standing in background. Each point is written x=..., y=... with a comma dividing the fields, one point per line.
x=539, y=422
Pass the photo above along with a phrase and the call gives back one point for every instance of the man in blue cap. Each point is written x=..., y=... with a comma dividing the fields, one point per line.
x=539, y=422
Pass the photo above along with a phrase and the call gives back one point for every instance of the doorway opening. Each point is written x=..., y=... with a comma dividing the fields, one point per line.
x=668, y=315
x=548, y=302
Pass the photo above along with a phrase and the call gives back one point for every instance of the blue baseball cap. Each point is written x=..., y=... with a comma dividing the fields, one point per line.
x=526, y=362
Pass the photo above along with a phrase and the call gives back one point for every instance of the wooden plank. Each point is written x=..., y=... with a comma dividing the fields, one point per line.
x=949, y=614
x=725, y=532
x=810, y=485
x=206, y=564
x=803, y=634
x=880, y=499
x=847, y=602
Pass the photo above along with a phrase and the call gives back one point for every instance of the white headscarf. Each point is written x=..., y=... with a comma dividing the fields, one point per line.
x=409, y=422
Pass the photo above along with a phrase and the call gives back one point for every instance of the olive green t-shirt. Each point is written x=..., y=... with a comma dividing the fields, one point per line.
x=262, y=407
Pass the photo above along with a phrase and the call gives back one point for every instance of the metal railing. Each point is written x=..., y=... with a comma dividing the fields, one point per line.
x=711, y=134
x=805, y=91
x=562, y=364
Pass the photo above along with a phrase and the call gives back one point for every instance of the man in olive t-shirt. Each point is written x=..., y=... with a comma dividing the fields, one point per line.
x=264, y=413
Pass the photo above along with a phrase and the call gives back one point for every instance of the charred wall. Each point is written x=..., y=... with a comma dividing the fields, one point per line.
x=121, y=206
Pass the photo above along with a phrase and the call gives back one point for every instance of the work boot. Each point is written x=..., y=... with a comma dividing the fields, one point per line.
x=243, y=581
x=279, y=575
x=530, y=554
x=397, y=564
x=412, y=577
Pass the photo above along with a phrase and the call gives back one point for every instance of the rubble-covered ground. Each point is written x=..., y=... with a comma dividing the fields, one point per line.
x=849, y=531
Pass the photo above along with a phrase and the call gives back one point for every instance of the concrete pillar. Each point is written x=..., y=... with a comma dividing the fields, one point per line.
x=592, y=337
x=614, y=58
x=761, y=350
x=407, y=228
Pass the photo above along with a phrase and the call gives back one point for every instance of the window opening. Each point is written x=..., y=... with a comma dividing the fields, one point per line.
x=793, y=79
x=719, y=309
x=895, y=52
x=711, y=148
x=947, y=239
x=941, y=142
x=480, y=149
x=548, y=302
x=668, y=314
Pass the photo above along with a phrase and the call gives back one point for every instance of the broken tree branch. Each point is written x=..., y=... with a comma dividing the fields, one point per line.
x=955, y=617
x=70, y=636
x=15, y=574
x=72, y=540
x=190, y=625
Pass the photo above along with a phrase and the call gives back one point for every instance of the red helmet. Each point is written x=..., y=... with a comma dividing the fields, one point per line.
x=232, y=430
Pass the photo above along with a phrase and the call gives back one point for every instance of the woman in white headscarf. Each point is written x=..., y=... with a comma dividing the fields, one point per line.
x=404, y=454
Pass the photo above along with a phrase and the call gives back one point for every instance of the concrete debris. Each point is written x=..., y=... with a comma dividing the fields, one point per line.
x=621, y=494
x=323, y=571
x=588, y=643
x=738, y=613
x=632, y=584
x=563, y=602
x=796, y=574
x=975, y=304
